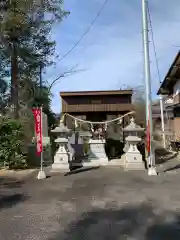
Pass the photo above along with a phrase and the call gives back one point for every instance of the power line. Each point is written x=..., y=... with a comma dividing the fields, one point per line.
x=153, y=42
x=157, y=65
x=85, y=32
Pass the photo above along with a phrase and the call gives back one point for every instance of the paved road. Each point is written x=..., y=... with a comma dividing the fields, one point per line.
x=100, y=204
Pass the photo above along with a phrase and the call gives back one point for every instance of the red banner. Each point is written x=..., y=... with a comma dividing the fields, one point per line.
x=38, y=129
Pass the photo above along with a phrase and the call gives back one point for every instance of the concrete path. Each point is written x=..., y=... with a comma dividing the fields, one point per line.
x=99, y=204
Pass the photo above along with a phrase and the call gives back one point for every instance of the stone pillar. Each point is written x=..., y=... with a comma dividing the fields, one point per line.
x=97, y=156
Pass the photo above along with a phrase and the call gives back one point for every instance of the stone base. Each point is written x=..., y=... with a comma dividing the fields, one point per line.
x=61, y=162
x=116, y=162
x=96, y=162
x=152, y=171
x=41, y=175
x=133, y=157
x=61, y=158
x=103, y=161
x=134, y=166
x=91, y=164
x=60, y=167
x=133, y=161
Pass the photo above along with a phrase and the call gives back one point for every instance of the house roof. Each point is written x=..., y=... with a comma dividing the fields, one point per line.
x=171, y=77
x=93, y=93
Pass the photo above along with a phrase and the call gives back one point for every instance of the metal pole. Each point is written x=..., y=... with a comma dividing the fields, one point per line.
x=42, y=137
x=162, y=120
x=40, y=83
x=41, y=174
x=149, y=122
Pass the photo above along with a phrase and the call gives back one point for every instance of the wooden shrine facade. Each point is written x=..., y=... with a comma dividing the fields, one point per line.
x=97, y=105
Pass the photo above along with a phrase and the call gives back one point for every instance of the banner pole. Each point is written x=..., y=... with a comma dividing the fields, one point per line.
x=41, y=174
x=41, y=141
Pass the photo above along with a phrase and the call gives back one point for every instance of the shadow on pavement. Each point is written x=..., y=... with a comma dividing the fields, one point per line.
x=9, y=192
x=9, y=182
x=162, y=155
x=81, y=170
x=173, y=168
x=131, y=222
x=10, y=200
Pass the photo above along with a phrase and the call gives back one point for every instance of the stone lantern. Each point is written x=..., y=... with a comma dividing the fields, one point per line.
x=62, y=155
x=132, y=157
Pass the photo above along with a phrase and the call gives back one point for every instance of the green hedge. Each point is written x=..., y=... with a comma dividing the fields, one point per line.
x=11, y=142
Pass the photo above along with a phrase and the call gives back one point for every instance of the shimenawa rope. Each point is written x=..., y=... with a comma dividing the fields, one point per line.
x=104, y=122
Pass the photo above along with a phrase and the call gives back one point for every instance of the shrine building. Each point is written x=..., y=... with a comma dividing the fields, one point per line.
x=97, y=105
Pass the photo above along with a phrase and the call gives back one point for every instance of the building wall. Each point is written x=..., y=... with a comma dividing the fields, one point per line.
x=106, y=99
x=177, y=128
x=97, y=103
x=176, y=89
x=176, y=121
x=176, y=92
x=168, y=100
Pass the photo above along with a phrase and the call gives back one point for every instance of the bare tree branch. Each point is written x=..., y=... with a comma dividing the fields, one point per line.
x=67, y=73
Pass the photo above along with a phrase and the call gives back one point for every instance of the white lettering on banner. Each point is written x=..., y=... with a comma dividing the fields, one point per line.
x=39, y=147
x=37, y=117
x=38, y=127
x=38, y=137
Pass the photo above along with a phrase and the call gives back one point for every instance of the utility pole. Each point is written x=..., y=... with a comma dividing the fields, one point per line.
x=149, y=122
x=162, y=120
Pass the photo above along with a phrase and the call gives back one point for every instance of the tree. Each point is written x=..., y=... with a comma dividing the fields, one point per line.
x=4, y=94
x=11, y=140
x=42, y=97
x=25, y=48
x=25, y=41
x=139, y=103
x=138, y=100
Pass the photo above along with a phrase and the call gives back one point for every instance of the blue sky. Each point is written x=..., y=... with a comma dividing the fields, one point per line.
x=111, y=52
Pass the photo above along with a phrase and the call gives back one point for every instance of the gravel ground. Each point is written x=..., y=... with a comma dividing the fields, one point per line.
x=99, y=204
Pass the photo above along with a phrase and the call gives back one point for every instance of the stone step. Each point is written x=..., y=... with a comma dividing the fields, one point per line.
x=116, y=162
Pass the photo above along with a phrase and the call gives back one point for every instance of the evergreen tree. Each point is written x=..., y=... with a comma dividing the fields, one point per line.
x=26, y=45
